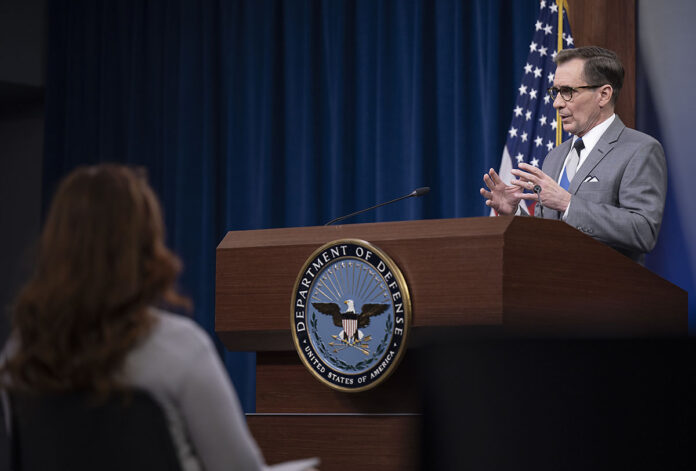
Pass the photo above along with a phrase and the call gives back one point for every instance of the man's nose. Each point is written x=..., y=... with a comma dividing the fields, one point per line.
x=559, y=102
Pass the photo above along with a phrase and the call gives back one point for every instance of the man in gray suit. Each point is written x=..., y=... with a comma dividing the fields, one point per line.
x=608, y=181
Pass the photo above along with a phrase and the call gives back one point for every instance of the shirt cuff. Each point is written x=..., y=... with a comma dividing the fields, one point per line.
x=565, y=213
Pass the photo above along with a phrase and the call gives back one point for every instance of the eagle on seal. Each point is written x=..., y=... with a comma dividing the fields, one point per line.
x=349, y=320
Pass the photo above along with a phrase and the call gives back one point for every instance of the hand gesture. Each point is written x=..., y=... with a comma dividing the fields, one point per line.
x=501, y=197
x=552, y=196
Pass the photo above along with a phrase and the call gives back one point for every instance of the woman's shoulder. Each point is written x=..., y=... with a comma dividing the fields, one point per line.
x=178, y=333
x=177, y=326
x=174, y=344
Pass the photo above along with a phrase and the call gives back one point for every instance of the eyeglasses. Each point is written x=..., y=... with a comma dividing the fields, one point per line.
x=567, y=92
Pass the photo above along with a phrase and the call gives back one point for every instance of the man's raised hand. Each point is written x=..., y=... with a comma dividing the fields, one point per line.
x=499, y=196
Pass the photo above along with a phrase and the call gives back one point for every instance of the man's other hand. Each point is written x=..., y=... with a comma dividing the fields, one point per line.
x=552, y=195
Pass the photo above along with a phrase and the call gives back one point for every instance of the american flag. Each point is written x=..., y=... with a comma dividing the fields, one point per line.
x=532, y=133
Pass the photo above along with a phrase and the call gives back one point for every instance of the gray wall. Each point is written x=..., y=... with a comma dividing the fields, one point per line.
x=666, y=41
x=21, y=148
x=22, y=78
x=22, y=42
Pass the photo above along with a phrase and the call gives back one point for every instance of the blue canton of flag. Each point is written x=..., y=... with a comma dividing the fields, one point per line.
x=532, y=133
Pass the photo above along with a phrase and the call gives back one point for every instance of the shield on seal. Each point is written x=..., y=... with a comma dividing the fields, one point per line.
x=350, y=324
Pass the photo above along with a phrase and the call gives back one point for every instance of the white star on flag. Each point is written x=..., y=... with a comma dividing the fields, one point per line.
x=532, y=130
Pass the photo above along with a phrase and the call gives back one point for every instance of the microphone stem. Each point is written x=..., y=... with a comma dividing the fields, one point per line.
x=368, y=209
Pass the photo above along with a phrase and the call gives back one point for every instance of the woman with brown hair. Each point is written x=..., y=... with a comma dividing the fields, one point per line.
x=86, y=321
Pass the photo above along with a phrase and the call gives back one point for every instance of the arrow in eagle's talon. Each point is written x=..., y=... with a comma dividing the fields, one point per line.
x=350, y=344
x=361, y=349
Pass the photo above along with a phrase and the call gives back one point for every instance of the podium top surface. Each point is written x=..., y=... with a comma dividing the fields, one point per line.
x=524, y=275
x=397, y=230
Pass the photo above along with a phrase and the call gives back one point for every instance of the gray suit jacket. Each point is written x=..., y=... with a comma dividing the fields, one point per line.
x=618, y=193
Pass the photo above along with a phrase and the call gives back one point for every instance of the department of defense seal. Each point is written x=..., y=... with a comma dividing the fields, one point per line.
x=350, y=315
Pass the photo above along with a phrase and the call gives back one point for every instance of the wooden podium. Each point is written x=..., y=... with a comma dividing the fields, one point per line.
x=512, y=275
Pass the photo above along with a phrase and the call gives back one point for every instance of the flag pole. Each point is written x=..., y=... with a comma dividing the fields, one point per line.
x=559, y=125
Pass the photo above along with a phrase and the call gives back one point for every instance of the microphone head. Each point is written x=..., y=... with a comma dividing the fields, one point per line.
x=424, y=190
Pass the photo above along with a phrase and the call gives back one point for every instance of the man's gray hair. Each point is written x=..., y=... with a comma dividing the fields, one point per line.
x=602, y=66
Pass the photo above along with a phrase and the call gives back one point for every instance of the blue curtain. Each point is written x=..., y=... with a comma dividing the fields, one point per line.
x=253, y=114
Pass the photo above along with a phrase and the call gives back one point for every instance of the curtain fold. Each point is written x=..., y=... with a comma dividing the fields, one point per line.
x=252, y=114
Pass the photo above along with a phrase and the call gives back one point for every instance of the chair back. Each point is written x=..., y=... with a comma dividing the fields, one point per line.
x=127, y=431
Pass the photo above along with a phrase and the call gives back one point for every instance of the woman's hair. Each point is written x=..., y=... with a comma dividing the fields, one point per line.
x=102, y=261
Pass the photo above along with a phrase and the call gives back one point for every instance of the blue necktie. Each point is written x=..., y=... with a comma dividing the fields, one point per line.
x=572, y=164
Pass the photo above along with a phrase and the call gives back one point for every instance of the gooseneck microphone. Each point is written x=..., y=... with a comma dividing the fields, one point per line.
x=417, y=192
x=537, y=190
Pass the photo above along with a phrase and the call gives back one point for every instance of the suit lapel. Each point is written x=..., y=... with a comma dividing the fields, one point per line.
x=605, y=144
x=557, y=165
x=553, y=167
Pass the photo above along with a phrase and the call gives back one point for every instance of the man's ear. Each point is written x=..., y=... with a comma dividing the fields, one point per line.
x=606, y=92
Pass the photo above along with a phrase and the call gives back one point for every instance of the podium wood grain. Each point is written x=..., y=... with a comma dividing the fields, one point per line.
x=385, y=443
x=284, y=385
